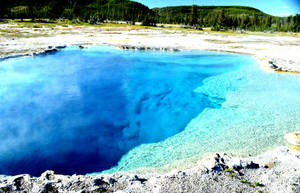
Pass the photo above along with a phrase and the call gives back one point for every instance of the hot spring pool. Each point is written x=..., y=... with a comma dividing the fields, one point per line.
x=102, y=109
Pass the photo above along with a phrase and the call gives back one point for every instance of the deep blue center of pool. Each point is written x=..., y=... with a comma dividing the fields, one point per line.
x=79, y=111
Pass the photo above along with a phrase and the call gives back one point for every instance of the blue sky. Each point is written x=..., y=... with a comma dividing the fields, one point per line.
x=274, y=7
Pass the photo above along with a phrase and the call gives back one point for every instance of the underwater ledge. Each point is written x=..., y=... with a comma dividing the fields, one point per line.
x=108, y=182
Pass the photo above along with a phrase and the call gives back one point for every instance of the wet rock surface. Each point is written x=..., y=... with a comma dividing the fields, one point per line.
x=273, y=171
x=145, y=48
x=40, y=52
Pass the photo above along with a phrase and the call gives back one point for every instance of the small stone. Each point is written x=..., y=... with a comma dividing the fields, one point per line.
x=219, y=167
x=5, y=189
x=48, y=175
x=237, y=167
x=269, y=165
x=112, y=181
x=49, y=188
x=136, y=178
x=98, y=182
x=18, y=182
x=60, y=47
x=252, y=165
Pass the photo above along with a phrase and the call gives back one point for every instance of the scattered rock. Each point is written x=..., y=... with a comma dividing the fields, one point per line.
x=48, y=51
x=270, y=165
x=237, y=167
x=251, y=165
x=98, y=182
x=48, y=175
x=20, y=183
x=272, y=65
x=223, y=174
x=136, y=178
x=14, y=56
x=60, y=47
x=145, y=48
x=45, y=52
x=49, y=188
x=112, y=181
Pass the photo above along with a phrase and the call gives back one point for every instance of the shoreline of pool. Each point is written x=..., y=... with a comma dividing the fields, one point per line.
x=267, y=64
x=275, y=53
x=273, y=171
x=209, y=171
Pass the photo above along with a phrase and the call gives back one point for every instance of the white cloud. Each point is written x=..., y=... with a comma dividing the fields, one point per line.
x=285, y=7
x=285, y=14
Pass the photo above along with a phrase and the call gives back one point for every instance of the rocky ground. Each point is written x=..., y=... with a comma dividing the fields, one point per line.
x=274, y=171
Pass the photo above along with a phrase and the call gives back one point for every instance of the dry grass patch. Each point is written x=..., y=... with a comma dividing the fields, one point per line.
x=220, y=41
x=237, y=47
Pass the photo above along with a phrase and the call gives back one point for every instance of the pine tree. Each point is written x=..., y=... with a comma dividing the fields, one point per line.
x=194, y=16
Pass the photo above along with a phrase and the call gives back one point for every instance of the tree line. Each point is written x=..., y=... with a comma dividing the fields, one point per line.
x=227, y=17
x=94, y=11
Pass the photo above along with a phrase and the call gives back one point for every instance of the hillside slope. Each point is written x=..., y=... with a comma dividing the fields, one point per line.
x=181, y=14
x=101, y=9
x=226, y=17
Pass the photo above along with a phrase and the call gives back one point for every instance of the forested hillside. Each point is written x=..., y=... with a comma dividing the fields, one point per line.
x=94, y=11
x=181, y=14
x=84, y=10
x=227, y=17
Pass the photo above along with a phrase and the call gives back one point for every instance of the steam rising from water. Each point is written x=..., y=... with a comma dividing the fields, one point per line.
x=79, y=111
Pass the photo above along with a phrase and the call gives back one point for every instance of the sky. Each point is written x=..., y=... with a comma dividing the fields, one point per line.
x=273, y=7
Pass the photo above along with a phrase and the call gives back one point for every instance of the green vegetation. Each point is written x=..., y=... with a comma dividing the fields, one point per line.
x=245, y=182
x=231, y=175
x=257, y=184
x=227, y=17
x=229, y=170
x=92, y=11
x=194, y=16
x=219, y=18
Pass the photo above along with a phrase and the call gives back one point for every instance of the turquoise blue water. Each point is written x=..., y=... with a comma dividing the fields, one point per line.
x=258, y=110
x=80, y=111
x=104, y=110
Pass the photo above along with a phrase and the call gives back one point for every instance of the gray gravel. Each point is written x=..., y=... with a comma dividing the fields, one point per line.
x=274, y=171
